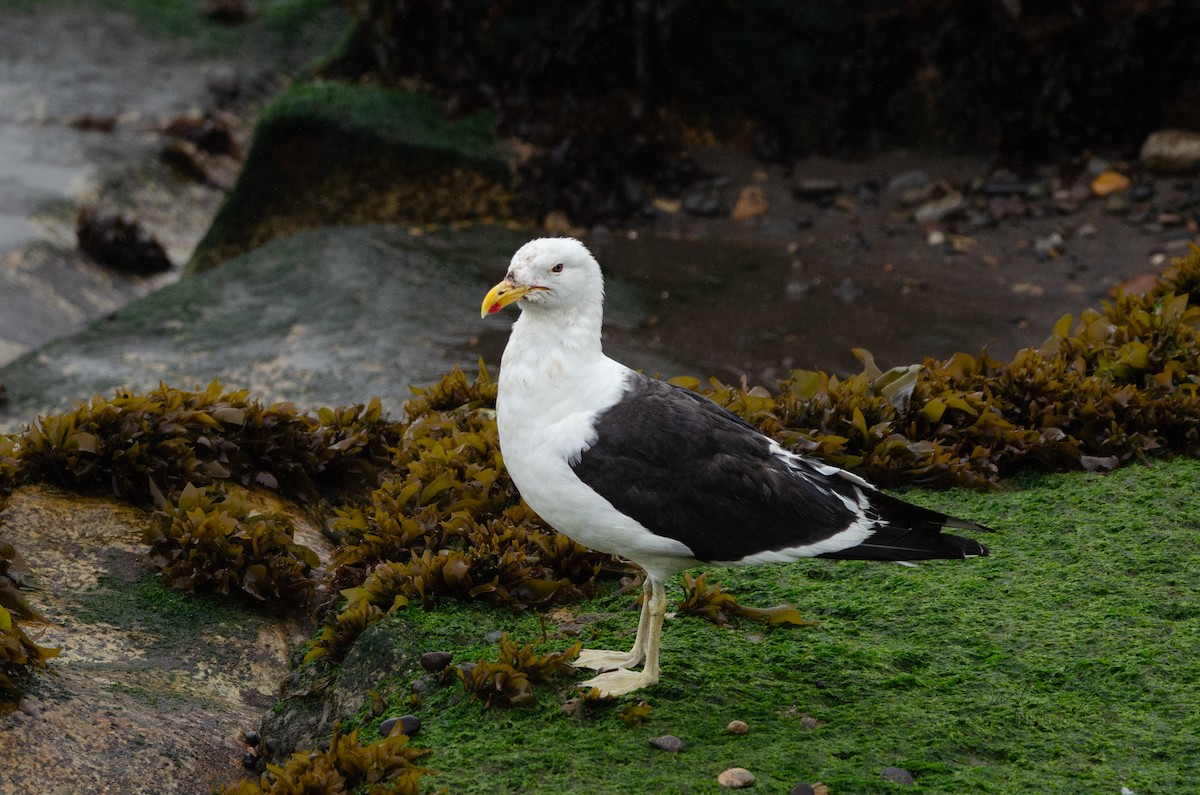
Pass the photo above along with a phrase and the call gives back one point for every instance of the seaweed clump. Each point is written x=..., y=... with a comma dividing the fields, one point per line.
x=18, y=652
x=509, y=681
x=144, y=446
x=210, y=541
x=386, y=766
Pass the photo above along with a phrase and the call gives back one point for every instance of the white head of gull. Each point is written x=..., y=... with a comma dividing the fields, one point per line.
x=660, y=475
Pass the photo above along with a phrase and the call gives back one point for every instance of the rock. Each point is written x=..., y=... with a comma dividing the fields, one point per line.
x=816, y=189
x=736, y=778
x=668, y=742
x=705, y=199
x=940, y=209
x=1172, y=151
x=1109, y=182
x=909, y=180
x=408, y=724
x=310, y=318
x=750, y=202
x=1117, y=204
x=737, y=727
x=216, y=665
x=897, y=775
x=119, y=242
x=434, y=661
x=410, y=165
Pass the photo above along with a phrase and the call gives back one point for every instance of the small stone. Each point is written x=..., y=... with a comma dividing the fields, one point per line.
x=272, y=745
x=249, y=761
x=909, y=180
x=736, y=778
x=252, y=738
x=737, y=727
x=803, y=788
x=940, y=209
x=1117, y=204
x=668, y=742
x=409, y=725
x=897, y=775
x=1109, y=182
x=1172, y=151
x=434, y=661
x=750, y=202
x=815, y=189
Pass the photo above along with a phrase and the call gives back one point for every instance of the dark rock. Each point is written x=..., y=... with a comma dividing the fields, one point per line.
x=227, y=12
x=897, y=775
x=249, y=761
x=1004, y=185
x=434, y=661
x=815, y=189
x=1141, y=192
x=668, y=742
x=252, y=738
x=409, y=725
x=705, y=199
x=803, y=788
x=119, y=242
x=802, y=222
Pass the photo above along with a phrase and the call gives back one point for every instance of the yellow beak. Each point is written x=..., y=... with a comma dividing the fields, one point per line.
x=504, y=294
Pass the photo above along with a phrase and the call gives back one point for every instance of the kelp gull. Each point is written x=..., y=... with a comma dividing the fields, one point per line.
x=660, y=475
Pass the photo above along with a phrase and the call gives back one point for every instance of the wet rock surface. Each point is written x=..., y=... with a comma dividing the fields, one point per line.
x=85, y=97
x=149, y=685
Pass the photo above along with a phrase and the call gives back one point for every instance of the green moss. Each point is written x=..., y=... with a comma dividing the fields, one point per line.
x=327, y=152
x=1062, y=663
x=172, y=619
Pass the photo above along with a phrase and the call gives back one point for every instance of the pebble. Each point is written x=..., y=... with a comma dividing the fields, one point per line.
x=252, y=738
x=705, y=199
x=737, y=727
x=249, y=761
x=909, y=180
x=434, y=661
x=814, y=189
x=1107, y=183
x=803, y=788
x=668, y=742
x=409, y=725
x=1117, y=204
x=1172, y=151
x=736, y=778
x=897, y=775
x=940, y=209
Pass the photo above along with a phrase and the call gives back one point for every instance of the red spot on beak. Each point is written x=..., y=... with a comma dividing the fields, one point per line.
x=496, y=307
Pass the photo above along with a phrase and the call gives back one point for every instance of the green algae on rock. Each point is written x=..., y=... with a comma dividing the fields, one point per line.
x=326, y=153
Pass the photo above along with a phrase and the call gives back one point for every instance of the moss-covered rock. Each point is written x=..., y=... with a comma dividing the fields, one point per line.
x=328, y=152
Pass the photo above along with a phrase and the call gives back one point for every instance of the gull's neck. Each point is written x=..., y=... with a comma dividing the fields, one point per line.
x=542, y=334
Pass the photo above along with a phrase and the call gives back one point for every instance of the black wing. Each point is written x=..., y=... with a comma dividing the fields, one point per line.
x=687, y=469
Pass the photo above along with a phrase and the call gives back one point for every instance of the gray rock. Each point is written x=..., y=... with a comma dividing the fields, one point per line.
x=1172, y=151
x=668, y=742
x=148, y=696
x=330, y=316
x=940, y=209
x=897, y=775
x=736, y=778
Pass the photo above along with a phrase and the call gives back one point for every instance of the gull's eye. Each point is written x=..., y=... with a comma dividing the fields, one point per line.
x=557, y=268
